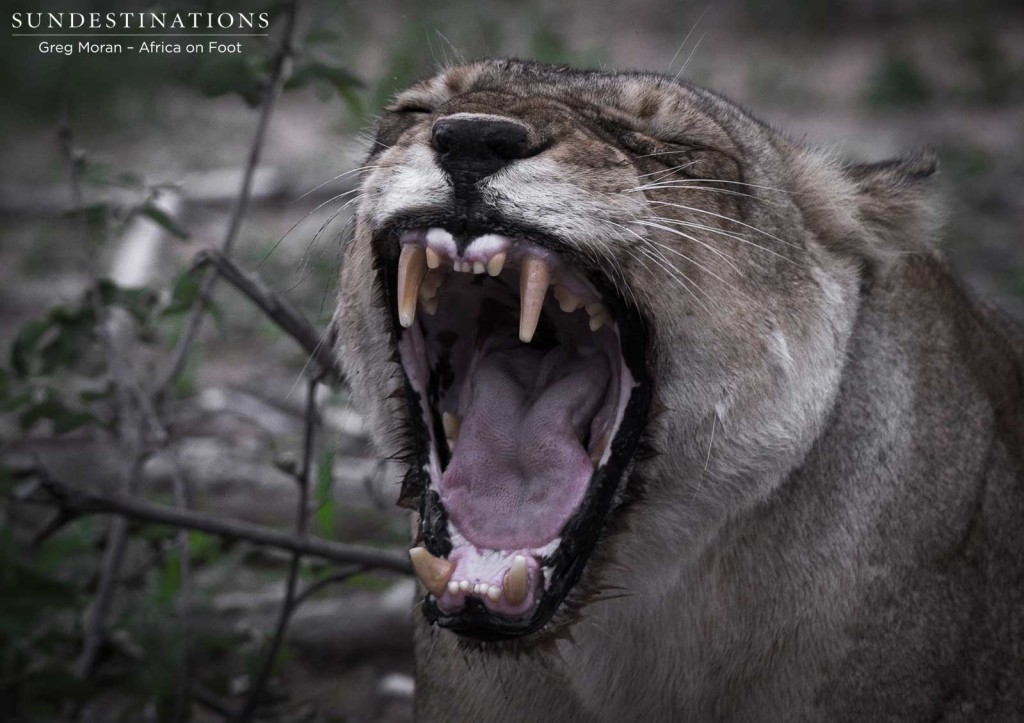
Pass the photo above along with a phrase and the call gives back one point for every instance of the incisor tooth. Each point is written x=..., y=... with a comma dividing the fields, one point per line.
x=517, y=581
x=451, y=425
x=533, y=286
x=567, y=301
x=433, y=258
x=494, y=593
x=432, y=571
x=496, y=263
x=599, y=320
x=411, y=268
x=478, y=267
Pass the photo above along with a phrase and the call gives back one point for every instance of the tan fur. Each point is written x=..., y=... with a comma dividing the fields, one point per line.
x=830, y=527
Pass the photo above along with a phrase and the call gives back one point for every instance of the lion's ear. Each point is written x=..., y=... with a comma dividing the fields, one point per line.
x=894, y=202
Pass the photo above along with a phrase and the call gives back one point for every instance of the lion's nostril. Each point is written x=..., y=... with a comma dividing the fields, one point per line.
x=473, y=148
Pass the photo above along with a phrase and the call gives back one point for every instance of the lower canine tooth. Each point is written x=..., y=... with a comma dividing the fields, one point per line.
x=599, y=448
x=567, y=301
x=517, y=581
x=599, y=320
x=496, y=263
x=432, y=571
x=533, y=287
x=412, y=266
x=451, y=425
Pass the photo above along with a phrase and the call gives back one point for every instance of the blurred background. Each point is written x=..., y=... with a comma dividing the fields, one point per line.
x=157, y=146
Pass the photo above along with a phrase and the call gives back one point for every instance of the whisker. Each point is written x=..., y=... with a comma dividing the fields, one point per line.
x=724, y=218
x=310, y=213
x=694, y=262
x=332, y=180
x=669, y=184
x=686, y=62
x=722, y=232
x=681, y=234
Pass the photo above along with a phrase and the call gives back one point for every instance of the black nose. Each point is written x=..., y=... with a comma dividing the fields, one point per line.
x=470, y=149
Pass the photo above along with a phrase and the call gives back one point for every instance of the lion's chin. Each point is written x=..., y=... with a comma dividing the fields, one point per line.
x=525, y=411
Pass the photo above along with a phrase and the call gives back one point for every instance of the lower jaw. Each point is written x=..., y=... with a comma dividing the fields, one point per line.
x=555, y=568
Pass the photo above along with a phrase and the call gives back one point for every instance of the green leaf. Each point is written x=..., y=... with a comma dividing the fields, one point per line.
x=169, y=580
x=184, y=294
x=25, y=344
x=325, y=506
x=245, y=75
x=64, y=418
x=160, y=217
x=137, y=302
x=319, y=35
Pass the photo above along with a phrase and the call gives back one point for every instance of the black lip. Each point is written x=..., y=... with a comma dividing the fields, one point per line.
x=583, y=529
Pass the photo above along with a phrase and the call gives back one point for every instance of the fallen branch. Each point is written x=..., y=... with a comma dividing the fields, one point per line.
x=80, y=502
x=280, y=311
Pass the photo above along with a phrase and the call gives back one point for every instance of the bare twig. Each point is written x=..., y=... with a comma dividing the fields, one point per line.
x=278, y=76
x=181, y=692
x=284, y=314
x=113, y=555
x=128, y=427
x=82, y=502
x=301, y=518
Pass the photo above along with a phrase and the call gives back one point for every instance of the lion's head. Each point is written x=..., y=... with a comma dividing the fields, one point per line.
x=564, y=289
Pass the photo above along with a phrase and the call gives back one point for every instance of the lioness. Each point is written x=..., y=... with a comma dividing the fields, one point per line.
x=698, y=425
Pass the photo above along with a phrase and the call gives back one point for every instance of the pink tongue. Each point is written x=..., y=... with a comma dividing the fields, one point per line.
x=520, y=469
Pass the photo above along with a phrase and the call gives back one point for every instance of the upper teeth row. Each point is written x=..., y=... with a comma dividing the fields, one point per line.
x=420, y=278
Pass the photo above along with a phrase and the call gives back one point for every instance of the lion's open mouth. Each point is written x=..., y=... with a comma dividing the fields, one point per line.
x=525, y=379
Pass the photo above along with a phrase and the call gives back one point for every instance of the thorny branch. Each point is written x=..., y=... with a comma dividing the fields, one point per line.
x=278, y=75
x=284, y=314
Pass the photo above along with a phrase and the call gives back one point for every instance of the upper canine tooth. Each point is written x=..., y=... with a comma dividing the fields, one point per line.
x=433, y=258
x=533, y=286
x=567, y=301
x=432, y=571
x=412, y=265
x=517, y=581
x=496, y=263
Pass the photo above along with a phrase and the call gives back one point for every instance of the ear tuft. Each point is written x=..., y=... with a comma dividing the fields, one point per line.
x=909, y=169
x=895, y=205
